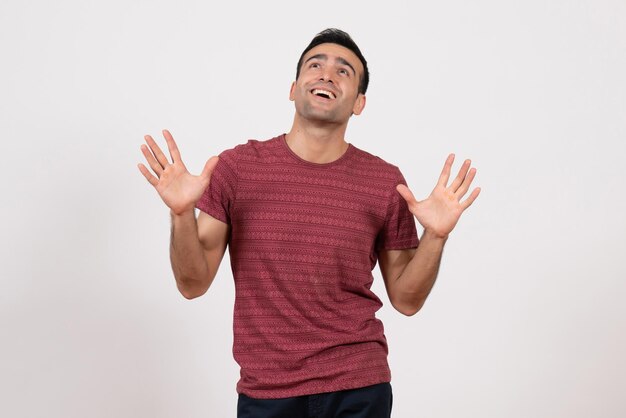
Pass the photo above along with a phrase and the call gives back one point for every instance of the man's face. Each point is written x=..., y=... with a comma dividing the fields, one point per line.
x=327, y=89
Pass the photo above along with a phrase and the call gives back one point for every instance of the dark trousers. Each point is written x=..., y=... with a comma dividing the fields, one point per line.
x=368, y=402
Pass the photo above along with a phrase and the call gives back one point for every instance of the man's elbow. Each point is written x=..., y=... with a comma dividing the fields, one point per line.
x=191, y=289
x=409, y=309
x=188, y=294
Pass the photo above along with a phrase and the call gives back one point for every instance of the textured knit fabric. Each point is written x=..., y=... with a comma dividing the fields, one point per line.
x=304, y=240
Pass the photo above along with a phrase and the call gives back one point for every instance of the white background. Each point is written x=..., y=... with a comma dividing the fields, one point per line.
x=527, y=318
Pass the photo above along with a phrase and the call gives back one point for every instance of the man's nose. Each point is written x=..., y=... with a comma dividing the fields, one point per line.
x=326, y=76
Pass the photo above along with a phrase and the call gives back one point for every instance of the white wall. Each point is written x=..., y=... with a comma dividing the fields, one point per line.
x=527, y=318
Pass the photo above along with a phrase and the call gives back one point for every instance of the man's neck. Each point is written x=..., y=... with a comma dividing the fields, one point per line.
x=317, y=143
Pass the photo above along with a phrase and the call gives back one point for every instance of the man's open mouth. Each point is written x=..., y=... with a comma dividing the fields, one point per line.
x=323, y=93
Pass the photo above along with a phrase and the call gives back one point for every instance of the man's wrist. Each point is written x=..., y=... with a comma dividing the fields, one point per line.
x=434, y=236
x=185, y=213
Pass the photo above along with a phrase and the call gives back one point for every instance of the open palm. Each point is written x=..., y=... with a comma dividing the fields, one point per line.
x=440, y=212
x=179, y=189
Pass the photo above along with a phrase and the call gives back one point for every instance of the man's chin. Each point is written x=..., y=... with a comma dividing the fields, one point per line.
x=321, y=116
x=325, y=120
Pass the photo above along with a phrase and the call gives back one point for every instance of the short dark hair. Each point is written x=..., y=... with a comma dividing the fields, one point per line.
x=339, y=37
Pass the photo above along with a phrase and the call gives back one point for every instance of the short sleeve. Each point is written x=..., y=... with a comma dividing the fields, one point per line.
x=399, y=231
x=219, y=198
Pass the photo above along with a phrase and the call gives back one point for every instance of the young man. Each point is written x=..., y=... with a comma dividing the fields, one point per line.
x=306, y=216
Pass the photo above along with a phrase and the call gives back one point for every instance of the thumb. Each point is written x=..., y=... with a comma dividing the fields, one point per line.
x=406, y=194
x=208, y=169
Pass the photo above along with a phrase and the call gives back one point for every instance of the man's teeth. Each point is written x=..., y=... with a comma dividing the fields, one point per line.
x=328, y=94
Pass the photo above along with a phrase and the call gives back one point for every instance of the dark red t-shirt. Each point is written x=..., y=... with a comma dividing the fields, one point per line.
x=304, y=241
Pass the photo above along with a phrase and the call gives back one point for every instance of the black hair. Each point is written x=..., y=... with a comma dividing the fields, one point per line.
x=339, y=37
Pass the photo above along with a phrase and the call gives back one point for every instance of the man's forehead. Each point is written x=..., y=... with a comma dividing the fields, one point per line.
x=336, y=51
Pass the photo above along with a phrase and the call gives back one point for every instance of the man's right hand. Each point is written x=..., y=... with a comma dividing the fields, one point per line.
x=179, y=189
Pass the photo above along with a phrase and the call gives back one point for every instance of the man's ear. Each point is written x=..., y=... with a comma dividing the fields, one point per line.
x=359, y=104
x=292, y=91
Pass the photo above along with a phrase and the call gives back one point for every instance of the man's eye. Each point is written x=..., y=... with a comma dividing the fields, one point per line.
x=343, y=72
x=315, y=65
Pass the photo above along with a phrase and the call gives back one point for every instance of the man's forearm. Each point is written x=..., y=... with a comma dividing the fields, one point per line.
x=418, y=277
x=189, y=263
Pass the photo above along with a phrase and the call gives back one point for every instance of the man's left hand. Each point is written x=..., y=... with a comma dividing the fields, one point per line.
x=440, y=212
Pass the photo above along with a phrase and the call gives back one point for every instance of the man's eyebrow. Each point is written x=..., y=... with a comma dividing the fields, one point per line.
x=324, y=57
x=344, y=62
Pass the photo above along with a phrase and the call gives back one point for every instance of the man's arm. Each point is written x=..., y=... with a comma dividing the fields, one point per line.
x=197, y=247
x=409, y=275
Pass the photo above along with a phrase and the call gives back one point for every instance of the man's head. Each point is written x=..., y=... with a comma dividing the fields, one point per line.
x=339, y=37
x=331, y=79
